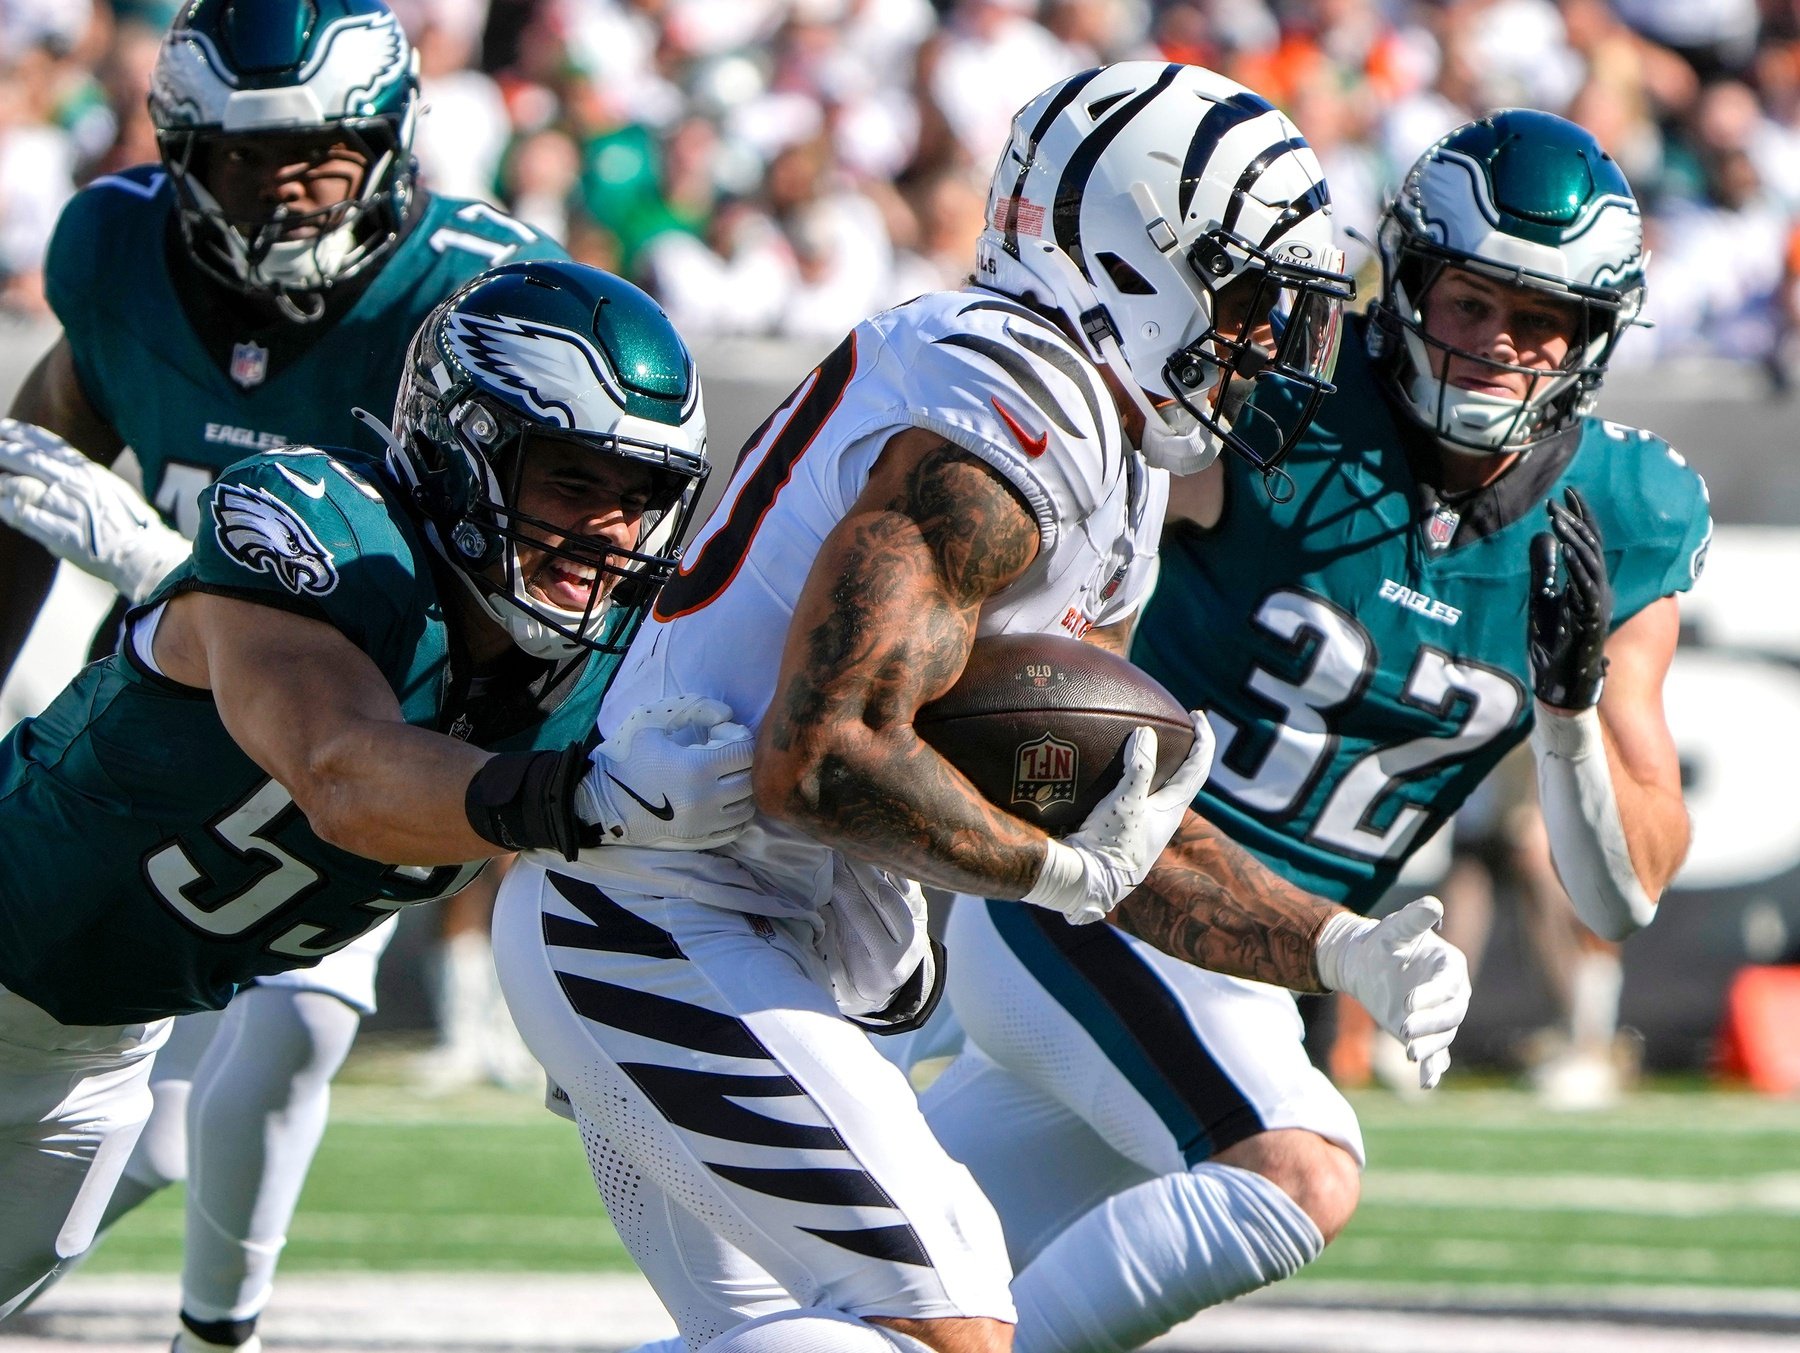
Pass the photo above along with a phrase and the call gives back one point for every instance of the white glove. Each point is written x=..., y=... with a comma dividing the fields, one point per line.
x=1414, y=982
x=1089, y=872
x=83, y=512
x=873, y=936
x=676, y=776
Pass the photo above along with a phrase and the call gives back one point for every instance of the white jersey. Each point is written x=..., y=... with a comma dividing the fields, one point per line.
x=988, y=375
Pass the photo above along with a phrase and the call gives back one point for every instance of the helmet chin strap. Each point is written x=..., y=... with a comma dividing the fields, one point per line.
x=290, y=269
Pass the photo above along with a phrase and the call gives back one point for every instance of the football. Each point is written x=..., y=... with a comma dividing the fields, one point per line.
x=1038, y=722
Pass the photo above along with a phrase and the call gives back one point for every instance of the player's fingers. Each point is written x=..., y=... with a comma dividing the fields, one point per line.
x=1429, y=1045
x=1140, y=761
x=1432, y=1069
x=21, y=499
x=1543, y=563
x=1412, y=921
x=1194, y=767
x=1434, y=1017
x=696, y=712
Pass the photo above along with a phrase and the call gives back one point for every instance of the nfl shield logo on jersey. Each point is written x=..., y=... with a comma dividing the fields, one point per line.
x=1044, y=772
x=249, y=363
x=1441, y=529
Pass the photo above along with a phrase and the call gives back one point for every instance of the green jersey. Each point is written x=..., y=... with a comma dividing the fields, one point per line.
x=193, y=379
x=152, y=867
x=1361, y=647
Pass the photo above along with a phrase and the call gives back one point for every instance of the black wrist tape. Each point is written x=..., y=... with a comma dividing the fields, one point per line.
x=526, y=800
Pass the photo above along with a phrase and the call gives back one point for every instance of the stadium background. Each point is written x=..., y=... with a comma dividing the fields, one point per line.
x=775, y=169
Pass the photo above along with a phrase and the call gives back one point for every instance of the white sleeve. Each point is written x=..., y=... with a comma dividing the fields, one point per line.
x=1581, y=815
x=1006, y=386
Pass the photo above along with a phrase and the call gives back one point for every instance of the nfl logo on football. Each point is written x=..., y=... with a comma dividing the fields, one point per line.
x=1044, y=772
x=249, y=363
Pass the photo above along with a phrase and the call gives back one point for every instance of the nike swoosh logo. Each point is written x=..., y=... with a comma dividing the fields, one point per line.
x=1031, y=446
x=312, y=488
x=665, y=810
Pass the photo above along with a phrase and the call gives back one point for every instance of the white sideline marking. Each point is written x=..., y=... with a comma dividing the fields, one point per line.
x=534, y=1313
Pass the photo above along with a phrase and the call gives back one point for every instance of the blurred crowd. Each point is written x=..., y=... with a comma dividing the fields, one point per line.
x=785, y=167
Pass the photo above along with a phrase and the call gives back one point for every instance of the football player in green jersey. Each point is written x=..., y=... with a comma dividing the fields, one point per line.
x=372, y=673
x=254, y=286
x=1455, y=557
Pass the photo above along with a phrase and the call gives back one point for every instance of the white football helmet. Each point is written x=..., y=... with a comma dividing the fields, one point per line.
x=1531, y=200
x=1169, y=214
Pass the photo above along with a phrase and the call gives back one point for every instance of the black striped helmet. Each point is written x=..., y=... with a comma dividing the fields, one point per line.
x=1169, y=214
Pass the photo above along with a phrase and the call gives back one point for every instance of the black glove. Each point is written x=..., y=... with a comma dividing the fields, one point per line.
x=916, y=999
x=1568, y=624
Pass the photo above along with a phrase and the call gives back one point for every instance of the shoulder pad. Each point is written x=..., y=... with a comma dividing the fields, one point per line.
x=482, y=229
x=1651, y=502
x=1006, y=384
x=294, y=519
x=117, y=217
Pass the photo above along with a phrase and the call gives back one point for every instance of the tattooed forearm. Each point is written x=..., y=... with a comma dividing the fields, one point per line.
x=885, y=626
x=1212, y=903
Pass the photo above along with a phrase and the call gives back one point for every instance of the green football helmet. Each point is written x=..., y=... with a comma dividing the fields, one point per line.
x=302, y=75
x=1527, y=199
x=549, y=350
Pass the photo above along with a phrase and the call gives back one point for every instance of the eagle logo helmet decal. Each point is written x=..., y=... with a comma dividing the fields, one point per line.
x=554, y=373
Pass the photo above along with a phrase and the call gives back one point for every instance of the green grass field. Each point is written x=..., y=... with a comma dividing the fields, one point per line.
x=1681, y=1186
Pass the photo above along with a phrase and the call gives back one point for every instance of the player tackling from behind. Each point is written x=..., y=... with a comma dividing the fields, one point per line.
x=965, y=465
x=372, y=673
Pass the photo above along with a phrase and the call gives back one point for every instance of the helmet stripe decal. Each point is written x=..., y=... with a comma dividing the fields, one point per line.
x=1252, y=172
x=1219, y=120
x=1064, y=97
x=1030, y=384
x=1317, y=199
x=1069, y=193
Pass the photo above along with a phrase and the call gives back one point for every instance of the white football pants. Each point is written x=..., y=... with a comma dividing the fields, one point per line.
x=723, y=1098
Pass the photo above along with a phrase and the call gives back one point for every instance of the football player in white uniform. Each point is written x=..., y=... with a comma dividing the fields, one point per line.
x=990, y=460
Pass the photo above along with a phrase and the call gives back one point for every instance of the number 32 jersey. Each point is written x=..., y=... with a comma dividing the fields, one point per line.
x=151, y=866
x=989, y=376
x=1363, y=677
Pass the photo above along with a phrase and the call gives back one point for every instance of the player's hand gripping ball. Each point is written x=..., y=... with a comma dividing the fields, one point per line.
x=1038, y=722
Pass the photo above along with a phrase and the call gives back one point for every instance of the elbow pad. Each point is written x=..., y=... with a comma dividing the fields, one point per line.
x=1581, y=815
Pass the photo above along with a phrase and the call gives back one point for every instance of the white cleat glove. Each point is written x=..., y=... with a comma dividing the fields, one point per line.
x=1413, y=981
x=1089, y=872
x=83, y=512
x=676, y=776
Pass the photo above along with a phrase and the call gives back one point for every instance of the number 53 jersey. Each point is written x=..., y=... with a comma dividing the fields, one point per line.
x=1362, y=654
x=151, y=867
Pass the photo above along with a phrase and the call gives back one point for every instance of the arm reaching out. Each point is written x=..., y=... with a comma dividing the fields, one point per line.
x=82, y=512
x=1213, y=904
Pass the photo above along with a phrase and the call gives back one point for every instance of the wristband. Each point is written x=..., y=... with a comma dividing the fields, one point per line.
x=526, y=800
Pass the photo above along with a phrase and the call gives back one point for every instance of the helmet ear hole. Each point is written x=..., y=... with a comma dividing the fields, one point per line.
x=1126, y=278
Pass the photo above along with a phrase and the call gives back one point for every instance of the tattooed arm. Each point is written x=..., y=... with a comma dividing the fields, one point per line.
x=1212, y=903
x=883, y=626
